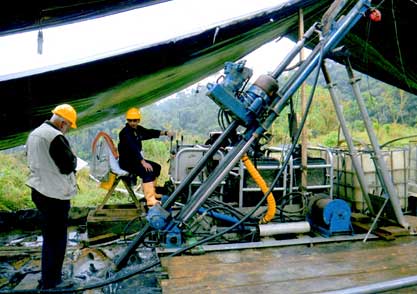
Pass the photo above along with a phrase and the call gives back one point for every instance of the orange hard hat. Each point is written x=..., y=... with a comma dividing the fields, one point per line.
x=133, y=113
x=68, y=112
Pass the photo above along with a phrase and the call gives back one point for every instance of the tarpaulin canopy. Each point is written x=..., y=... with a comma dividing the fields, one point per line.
x=102, y=88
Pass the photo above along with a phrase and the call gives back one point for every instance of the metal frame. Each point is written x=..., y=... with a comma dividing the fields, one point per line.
x=177, y=177
x=328, y=166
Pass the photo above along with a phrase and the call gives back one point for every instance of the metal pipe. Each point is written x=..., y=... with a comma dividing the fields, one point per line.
x=122, y=259
x=380, y=164
x=346, y=23
x=291, y=55
x=304, y=132
x=353, y=152
x=204, y=191
x=284, y=228
x=201, y=163
x=378, y=287
x=396, y=139
x=376, y=220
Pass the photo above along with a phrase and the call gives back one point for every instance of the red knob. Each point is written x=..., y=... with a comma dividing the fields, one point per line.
x=375, y=15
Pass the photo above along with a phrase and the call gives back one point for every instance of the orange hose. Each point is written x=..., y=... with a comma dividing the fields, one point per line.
x=109, y=141
x=270, y=213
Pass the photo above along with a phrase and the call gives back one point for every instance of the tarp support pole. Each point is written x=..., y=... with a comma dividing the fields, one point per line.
x=352, y=150
x=380, y=165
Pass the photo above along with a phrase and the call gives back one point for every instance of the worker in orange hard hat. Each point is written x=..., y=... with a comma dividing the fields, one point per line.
x=52, y=180
x=66, y=112
x=131, y=156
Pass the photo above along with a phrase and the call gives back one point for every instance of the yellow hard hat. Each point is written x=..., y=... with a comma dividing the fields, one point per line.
x=133, y=113
x=68, y=112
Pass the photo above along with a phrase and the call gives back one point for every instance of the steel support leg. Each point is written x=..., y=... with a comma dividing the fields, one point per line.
x=380, y=165
x=352, y=150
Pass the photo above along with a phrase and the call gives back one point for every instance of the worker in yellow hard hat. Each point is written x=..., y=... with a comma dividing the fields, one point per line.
x=52, y=180
x=131, y=156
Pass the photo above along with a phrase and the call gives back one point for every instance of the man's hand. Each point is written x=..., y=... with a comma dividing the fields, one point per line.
x=147, y=166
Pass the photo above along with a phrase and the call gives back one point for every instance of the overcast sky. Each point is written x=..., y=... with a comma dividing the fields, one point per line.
x=126, y=31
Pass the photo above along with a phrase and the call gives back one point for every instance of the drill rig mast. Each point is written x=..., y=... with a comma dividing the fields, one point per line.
x=254, y=109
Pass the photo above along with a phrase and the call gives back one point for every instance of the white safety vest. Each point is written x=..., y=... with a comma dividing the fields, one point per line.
x=45, y=176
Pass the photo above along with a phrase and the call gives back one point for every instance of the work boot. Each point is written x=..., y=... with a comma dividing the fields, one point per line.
x=150, y=194
x=157, y=189
x=63, y=284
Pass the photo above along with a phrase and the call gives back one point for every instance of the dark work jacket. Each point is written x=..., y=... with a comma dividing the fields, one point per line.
x=130, y=145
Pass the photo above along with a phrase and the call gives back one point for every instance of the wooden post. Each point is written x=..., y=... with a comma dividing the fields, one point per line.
x=304, y=138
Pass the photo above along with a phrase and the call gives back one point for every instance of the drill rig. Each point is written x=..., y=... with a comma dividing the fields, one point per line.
x=254, y=110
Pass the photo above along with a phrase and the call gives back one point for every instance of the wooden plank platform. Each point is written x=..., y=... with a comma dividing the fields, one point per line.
x=364, y=223
x=293, y=269
x=117, y=219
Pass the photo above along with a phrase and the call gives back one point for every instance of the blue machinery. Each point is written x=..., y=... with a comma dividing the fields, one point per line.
x=329, y=216
x=254, y=109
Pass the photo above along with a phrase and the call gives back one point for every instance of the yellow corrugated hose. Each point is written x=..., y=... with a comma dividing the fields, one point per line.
x=270, y=213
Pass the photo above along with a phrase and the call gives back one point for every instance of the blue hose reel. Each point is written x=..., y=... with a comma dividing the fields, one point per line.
x=330, y=216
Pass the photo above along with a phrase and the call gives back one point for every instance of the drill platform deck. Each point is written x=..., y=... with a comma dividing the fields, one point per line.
x=313, y=268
